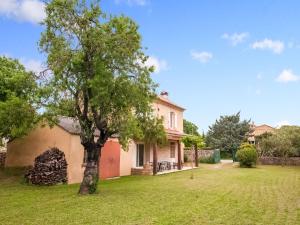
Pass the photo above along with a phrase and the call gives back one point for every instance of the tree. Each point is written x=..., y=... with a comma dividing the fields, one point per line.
x=19, y=97
x=195, y=142
x=228, y=133
x=97, y=61
x=190, y=128
x=284, y=143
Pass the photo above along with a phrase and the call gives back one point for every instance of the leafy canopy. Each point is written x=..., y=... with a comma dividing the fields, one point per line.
x=19, y=98
x=190, y=128
x=193, y=140
x=98, y=64
x=228, y=132
x=284, y=142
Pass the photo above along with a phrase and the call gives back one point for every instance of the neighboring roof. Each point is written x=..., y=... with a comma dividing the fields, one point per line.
x=259, y=130
x=168, y=102
x=71, y=125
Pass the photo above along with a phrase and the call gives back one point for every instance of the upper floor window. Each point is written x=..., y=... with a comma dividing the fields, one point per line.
x=172, y=120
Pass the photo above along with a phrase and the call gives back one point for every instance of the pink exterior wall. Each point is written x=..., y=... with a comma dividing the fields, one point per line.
x=22, y=152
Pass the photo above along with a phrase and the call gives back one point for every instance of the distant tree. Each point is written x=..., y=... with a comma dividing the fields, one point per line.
x=190, y=128
x=19, y=99
x=227, y=133
x=284, y=143
x=194, y=141
x=98, y=62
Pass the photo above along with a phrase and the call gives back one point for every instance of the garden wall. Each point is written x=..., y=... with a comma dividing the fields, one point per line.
x=202, y=153
x=2, y=159
x=292, y=161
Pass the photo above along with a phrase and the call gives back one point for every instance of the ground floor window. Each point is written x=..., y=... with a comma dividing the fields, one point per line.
x=172, y=149
x=140, y=155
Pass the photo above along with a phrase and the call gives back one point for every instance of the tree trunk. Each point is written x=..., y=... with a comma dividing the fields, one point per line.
x=196, y=156
x=154, y=160
x=91, y=173
x=90, y=179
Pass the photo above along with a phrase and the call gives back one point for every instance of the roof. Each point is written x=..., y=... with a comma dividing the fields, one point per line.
x=71, y=125
x=168, y=102
x=261, y=129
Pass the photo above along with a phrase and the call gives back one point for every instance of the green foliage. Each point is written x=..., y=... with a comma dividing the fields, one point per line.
x=284, y=142
x=225, y=155
x=227, y=133
x=152, y=131
x=19, y=98
x=193, y=140
x=99, y=64
x=247, y=155
x=190, y=128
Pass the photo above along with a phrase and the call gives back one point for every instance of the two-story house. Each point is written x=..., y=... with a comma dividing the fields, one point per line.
x=139, y=158
x=114, y=161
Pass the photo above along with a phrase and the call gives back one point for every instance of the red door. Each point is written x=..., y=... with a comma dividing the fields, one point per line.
x=110, y=160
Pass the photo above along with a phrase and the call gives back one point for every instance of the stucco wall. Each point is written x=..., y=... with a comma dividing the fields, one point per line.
x=22, y=151
x=126, y=159
x=164, y=110
x=75, y=167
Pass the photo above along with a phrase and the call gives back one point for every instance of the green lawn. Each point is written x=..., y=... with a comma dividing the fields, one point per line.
x=264, y=195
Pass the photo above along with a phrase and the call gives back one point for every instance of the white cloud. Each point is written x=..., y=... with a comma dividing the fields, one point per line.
x=267, y=44
x=203, y=57
x=23, y=10
x=287, y=76
x=159, y=64
x=283, y=123
x=132, y=2
x=33, y=65
x=235, y=38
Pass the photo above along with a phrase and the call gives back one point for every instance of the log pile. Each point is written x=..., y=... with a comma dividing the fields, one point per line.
x=49, y=168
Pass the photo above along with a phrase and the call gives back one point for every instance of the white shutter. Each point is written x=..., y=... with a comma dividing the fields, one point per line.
x=169, y=120
x=175, y=115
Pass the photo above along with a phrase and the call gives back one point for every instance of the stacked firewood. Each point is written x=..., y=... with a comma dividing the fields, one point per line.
x=49, y=168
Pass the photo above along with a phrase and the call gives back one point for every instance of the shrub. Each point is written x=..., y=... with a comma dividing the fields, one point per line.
x=246, y=155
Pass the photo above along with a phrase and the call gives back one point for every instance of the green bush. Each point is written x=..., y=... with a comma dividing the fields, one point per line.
x=226, y=155
x=246, y=155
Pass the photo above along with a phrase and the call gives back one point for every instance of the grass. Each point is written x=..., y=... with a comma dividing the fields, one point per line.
x=215, y=195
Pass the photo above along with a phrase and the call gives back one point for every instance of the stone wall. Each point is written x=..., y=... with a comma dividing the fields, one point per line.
x=202, y=153
x=292, y=161
x=2, y=159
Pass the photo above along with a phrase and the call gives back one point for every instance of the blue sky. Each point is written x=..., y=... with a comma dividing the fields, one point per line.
x=213, y=57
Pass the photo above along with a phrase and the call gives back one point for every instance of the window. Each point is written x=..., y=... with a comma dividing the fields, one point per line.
x=139, y=155
x=172, y=120
x=172, y=150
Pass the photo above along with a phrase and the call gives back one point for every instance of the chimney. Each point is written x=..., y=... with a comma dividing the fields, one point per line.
x=164, y=94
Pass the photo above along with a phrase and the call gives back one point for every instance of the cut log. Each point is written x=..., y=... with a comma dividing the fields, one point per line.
x=49, y=168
